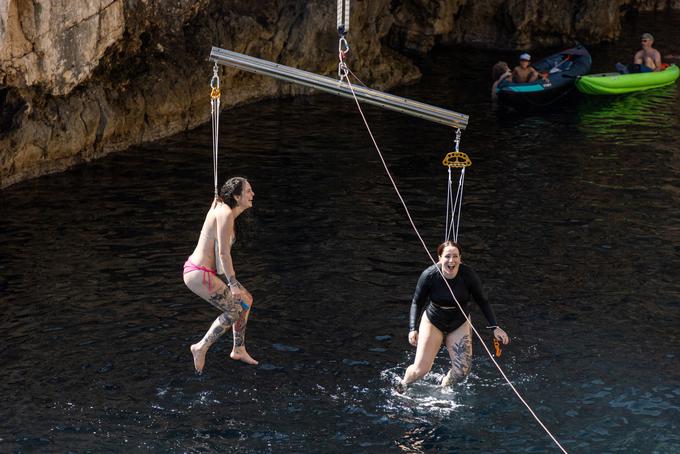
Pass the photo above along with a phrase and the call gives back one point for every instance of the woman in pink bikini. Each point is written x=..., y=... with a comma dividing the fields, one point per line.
x=213, y=252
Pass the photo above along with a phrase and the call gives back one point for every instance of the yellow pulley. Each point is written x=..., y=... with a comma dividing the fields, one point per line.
x=456, y=160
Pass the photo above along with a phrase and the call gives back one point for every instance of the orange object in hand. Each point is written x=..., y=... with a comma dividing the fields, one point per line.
x=497, y=346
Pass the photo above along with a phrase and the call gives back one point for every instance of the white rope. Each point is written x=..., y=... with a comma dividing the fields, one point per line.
x=454, y=207
x=449, y=206
x=343, y=16
x=459, y=203
x=415, y=229
x=215, y=114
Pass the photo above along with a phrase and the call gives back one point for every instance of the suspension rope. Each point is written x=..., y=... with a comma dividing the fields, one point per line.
x=454, y=206
x=343, y=17
x=215, y=114
x=458, y=203
x=342, y=66
x=449, y=208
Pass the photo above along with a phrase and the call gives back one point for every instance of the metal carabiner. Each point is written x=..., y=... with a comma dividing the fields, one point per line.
x=343, y=70
x=215, y=81
x=343, y=46
x=457, y=139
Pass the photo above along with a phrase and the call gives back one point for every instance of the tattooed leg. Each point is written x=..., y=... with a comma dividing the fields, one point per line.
x=240, y=330
x=222, y=300
x=200, y=349
x=232, y=314
x=239, y=350
x=220, y=326
x=459, y=346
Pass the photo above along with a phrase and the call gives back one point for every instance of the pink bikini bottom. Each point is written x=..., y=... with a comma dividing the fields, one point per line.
x=190, y=266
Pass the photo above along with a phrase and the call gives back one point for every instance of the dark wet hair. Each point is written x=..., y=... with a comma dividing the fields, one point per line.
x=499, y=69
x=233, y=187
x=445, y=244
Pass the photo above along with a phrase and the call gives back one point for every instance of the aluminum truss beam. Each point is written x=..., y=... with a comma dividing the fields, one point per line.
x=336, y=87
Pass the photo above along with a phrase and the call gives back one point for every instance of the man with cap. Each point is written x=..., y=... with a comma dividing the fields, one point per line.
x=648, y=58
x=524, y=73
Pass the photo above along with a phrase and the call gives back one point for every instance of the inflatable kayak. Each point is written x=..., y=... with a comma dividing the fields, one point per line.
x=561, y=69
x=616, y=84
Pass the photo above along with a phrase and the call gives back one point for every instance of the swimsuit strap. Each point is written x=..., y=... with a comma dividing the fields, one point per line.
x=190, y=266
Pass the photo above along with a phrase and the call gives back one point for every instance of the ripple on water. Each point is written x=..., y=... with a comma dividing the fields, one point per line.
x=633, y=119
x=641, y=402
x=285, y=348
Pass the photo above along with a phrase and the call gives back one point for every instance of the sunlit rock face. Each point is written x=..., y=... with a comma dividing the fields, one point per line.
x=56, y=44
x=80, y=79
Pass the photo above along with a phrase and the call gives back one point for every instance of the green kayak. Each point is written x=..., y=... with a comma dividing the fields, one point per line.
x=616, y=84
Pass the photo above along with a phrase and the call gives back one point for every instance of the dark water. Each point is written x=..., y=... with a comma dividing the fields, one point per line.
x=571, y=217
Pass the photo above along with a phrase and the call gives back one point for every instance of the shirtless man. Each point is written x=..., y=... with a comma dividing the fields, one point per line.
x=648, y=57
x=524, y=73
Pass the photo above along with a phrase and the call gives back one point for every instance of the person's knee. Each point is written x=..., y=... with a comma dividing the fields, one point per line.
x=226, y=319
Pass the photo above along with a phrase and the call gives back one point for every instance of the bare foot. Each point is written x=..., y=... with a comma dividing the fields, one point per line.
x=243, y=356
x=447, y=381
x=199, y=357
x=400, y=387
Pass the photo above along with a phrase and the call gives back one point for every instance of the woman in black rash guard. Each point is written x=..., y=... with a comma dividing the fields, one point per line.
x=442, y=321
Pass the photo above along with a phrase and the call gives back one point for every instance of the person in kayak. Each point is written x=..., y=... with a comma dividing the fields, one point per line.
x=499, y=73
x=524, y=73
x=646, y=60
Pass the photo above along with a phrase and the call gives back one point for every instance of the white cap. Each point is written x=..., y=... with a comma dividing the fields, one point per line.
x=525, y=56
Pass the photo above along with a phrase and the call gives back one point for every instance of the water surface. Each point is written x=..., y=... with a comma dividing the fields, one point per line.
x=570, y=217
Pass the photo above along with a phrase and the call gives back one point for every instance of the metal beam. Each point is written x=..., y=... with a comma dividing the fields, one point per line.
x=336, y=87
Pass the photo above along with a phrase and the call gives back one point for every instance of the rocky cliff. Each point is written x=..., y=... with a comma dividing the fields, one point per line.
x=81, y=79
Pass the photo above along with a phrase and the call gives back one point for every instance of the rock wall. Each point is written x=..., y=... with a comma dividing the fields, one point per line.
x=81, y=79
x=514, y=24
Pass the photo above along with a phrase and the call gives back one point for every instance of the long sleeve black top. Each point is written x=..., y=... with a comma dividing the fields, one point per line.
x=442, y=309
